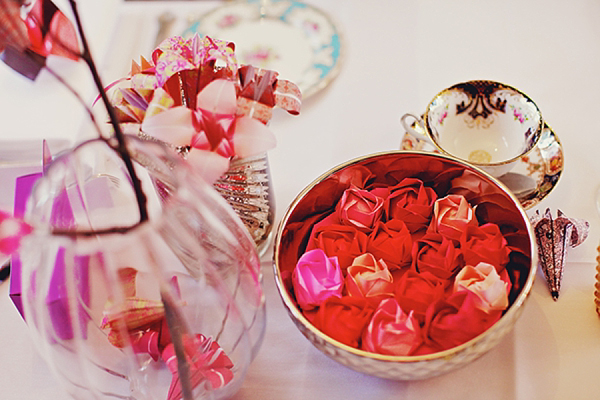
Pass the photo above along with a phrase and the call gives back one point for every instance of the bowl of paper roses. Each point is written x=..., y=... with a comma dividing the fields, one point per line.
x=405, y=265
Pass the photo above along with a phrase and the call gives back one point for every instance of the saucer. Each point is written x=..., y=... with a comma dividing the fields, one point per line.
x=297, y=40
x=534, y=176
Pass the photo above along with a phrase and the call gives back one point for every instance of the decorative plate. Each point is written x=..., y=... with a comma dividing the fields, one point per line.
x=535, y=175
x=297, y=40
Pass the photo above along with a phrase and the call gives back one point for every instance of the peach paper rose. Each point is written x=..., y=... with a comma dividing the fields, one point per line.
x=315, y=278
x=359, y=208
x=451, y=216
x=484, y=281
x=370, y=279
x=411, y=202
x=455, y=320
x=345, y=242
x=391, y=242
x=436, y=255
x=485, y=243
x=343, y=318
x=392, y=331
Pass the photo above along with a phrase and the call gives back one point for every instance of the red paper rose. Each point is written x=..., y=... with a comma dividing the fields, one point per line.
x=451, y=216
x=455, y=320
x=416, y=292
x=343, y=318
x=486, y=244
x=315, y=278
x=369, y=278
x=345, y=242
x=411, y=202
x=436, y=255
x=392, y=331
x=391, y=242
x=359, y=208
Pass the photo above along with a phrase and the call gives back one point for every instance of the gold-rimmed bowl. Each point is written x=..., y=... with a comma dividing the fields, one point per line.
x=498, y=205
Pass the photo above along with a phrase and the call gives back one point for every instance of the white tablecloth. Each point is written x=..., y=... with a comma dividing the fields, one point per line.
x=398, y=55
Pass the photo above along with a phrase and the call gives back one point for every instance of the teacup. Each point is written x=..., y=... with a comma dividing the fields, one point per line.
x=485, y=123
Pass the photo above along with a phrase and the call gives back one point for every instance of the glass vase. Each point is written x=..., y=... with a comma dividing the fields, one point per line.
x=169, y=308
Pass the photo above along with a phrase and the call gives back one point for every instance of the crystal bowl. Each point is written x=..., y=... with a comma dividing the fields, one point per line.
x=494, y=204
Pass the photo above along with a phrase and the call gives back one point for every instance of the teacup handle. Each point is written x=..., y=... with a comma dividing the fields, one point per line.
x=408, y=126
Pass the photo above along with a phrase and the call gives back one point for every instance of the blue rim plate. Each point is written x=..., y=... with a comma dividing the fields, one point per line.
x=297, y=40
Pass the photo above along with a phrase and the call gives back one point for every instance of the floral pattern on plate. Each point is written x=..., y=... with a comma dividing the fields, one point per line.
x=297, y=40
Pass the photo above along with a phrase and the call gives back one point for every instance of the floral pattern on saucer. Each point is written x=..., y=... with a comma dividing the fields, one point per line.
x=297, y=40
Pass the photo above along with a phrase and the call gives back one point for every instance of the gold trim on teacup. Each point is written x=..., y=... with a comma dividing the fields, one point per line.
x=497, y=85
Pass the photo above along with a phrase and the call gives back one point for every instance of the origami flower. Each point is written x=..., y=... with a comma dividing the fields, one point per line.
x=315, y=278
x=392, y=242
x=342, y=241
x=436, y=255
x=12, y=230
x=212, y=132
x=207, y=363
x=484, y=281
x=193, y=95
x=411, y=202
x=343, y=318
x=485, y=243
x=392, y=331
x=359, y=208
x=369, y=278
x=454, y=320
x=451, y=216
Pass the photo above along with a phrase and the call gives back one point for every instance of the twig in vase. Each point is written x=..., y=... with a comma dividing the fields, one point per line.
x=121, y=148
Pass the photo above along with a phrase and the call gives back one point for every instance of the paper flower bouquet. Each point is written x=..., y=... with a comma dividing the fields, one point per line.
x=403, y=257
x=193, y=95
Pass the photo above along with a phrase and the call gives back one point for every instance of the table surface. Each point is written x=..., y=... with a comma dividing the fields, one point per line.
x=397, y=56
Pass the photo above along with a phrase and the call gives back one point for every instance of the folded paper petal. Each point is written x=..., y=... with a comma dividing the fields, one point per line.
x=252, y=137
x=288, y=96
x=218, y=97
x=161, y=101
x=210, y=166
x=172, y=126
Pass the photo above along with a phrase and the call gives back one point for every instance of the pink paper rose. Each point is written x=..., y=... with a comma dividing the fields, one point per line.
x=359, y=208
x=392, y=331
x=315, y=278
x=343, y=318
x=484, y=281
x=451, y=216
x=436, y=255
x=455, y=320
x=345, y=242
x=411, y=202
x=370, y=279
x=391, y=242
x=485, y=243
